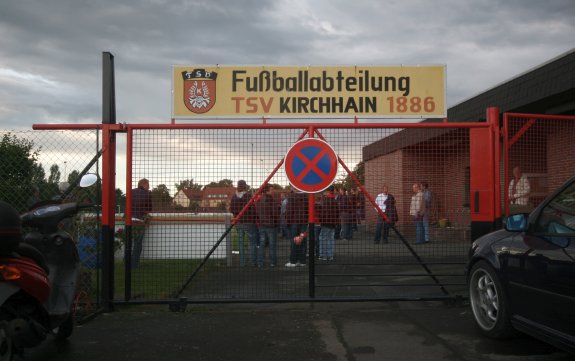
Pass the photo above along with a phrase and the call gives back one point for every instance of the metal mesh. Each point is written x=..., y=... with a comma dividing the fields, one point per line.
x=193, y=176
x=37, y=166
x=537, y=146
x=191, y=241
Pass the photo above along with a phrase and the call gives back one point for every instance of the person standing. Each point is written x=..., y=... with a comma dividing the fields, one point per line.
x=268, y=211
x=416, y=210
x=360, y=206
x=345, y=212
x=283, y=222
x=386, y=202
x=297, y=219
x=246, y=224
x=329, y=218
x=519, y=188
x=141, y=206
x=427, y=197
x=354, y=199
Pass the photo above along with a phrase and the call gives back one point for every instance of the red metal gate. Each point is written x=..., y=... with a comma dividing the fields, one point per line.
x=191, y=247
x=192, y=240
x=540, y=147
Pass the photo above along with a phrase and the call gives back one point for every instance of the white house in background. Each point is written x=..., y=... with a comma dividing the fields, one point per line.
x=185, y=197
x=212, y=197
x=209, y=198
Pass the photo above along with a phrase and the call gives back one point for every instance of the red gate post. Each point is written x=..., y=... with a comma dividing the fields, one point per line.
x=484, y=176
x=108, y=213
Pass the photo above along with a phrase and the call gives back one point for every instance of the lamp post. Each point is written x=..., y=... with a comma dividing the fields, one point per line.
x=252, y=162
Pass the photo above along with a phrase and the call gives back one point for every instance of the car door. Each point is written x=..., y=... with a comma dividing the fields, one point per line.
x=542, y=276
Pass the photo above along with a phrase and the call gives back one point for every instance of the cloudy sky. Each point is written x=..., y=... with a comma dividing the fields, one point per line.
x=51, y=50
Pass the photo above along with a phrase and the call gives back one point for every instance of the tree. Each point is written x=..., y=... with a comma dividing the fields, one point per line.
x=221, y=183
x=188, y=184
x=19, y=171
x=73, y=177
x=359, y=172
x=54, y=177
x=161, y=198
x=120, y=199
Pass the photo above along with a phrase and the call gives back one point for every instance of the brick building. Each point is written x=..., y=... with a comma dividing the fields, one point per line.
x=542, y=148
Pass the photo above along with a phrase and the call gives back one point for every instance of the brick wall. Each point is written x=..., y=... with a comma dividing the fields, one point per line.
x=444, y=168
x=561, y=154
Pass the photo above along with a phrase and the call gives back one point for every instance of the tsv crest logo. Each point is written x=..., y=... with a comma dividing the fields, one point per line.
x=199, y=90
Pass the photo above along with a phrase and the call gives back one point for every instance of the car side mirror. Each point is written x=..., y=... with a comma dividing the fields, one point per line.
x=516, y=223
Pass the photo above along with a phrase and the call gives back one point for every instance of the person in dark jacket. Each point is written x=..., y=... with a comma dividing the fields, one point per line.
x=329, y=218
x=386, y=202
x=346, y=209
x=246, y=223
x=297, y=219
x=268, y=211
x=141, y=206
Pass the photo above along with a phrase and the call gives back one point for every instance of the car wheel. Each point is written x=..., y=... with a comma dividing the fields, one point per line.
x=489, y=302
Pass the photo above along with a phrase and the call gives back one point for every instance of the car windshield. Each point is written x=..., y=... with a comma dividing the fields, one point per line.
x=558, y=217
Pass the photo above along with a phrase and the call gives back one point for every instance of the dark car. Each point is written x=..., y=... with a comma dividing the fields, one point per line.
x=523, y=277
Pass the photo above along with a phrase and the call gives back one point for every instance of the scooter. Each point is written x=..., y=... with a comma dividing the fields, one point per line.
x=38, y=278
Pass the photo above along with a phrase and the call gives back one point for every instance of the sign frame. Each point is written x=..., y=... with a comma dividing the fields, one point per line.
x=293, y=93
x=322, y=155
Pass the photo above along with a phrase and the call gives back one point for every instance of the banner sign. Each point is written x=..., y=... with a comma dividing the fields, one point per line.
x=311, y=91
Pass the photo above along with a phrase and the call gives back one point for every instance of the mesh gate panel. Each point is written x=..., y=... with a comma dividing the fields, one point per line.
x=538, y=146
x=194, y=174
x=35, y=166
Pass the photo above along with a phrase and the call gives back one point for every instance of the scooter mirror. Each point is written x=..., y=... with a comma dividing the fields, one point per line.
x=88, y=180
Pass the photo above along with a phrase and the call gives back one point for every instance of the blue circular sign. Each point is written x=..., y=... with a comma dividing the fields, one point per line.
x=311, y=165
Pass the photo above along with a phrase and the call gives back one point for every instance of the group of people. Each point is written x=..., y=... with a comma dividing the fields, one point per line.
x=265, y=218
x=338, y=213
x=419, y=210
x=258, y=223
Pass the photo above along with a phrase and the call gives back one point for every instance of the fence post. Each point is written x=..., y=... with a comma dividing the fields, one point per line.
x=108, y=179
x=108, y=215
x=484, y=170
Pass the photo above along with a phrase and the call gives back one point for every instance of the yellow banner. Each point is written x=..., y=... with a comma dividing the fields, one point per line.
x=306, y=92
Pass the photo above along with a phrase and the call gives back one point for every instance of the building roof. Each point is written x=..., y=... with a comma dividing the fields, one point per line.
x=546, y=89
x=193, y=195
x=214, y=191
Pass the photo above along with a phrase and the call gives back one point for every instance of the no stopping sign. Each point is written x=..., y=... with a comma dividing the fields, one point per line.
x=311, y=165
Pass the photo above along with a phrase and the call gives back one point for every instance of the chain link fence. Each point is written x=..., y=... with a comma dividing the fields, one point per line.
x=40, y=166
x=538, y=147
x=198, y=247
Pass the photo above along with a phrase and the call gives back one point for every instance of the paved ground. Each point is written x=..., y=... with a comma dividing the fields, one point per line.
x=298, y=331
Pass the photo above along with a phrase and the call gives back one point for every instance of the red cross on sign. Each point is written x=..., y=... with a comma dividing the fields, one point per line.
x=311, y=165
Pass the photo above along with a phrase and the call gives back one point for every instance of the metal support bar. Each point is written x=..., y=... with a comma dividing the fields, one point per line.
x=411, y=250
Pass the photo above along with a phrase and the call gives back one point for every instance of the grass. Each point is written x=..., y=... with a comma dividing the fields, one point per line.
x=152, y=280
